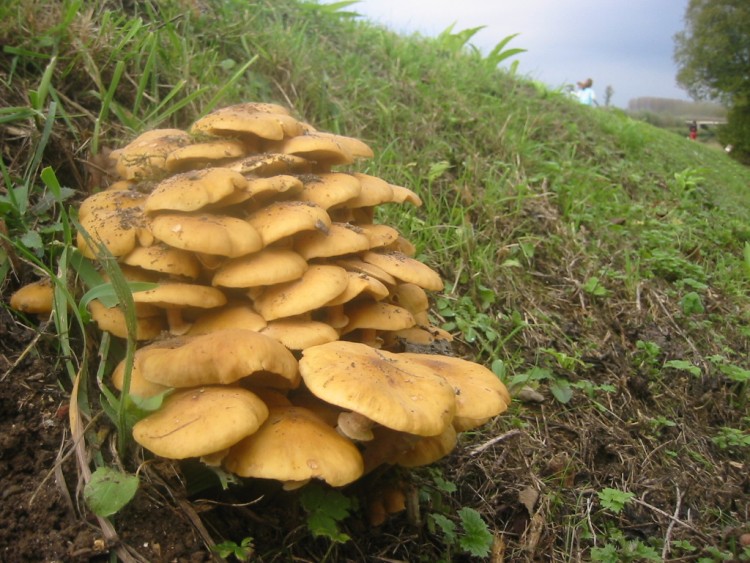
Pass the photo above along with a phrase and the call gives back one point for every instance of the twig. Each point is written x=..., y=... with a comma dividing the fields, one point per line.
x=668, y=535
x=673, y=518
x=493, y=441
x=22, y=356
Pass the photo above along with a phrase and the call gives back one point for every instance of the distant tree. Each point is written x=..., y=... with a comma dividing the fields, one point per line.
x=713, y=52
x=608, y=93
x=713, y=58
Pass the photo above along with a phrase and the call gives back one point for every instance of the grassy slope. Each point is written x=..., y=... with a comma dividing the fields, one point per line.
x=567, y=234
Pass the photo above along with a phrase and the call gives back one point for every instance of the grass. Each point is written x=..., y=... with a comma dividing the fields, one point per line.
x=562, y=232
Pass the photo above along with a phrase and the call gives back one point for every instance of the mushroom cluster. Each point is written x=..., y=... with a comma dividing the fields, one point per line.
x=290, y=330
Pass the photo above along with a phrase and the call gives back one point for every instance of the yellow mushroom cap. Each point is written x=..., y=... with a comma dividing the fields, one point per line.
x=339, y=239
x=270, y=266
x=285, y=218
x=237, y=314
x=382, y=386
x=112, y=320
x=265, y=164
x=428, y=449
x=224, y=356
x=329, y=189
x=267, y=121
x=298, y=334
x=165, y=259
x=207, y=234
x=146, y=155
x=114, y=219
x=360, y=284
x=200, y=154
x=295, y=445
x=35, y=298
x=406, y=269
x=479, y=392
x=190, y=191
x=378, y=316
x=200, y=421
x=321, y=147
x=317, y=286
x=179, y=295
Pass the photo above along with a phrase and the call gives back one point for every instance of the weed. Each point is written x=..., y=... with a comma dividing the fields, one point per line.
x=242, y=551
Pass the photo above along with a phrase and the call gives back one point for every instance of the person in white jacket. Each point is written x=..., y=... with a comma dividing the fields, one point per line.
x=586, y=94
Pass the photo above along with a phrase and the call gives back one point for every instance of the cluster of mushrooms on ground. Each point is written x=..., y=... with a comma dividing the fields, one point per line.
x=289, y=329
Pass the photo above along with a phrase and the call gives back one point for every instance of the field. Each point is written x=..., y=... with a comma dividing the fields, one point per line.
x=598, y=265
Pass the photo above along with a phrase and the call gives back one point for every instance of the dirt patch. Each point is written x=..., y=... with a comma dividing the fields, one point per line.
x=534, y=474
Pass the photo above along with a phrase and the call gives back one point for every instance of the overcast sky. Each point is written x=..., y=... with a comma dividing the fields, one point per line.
x=626, y=44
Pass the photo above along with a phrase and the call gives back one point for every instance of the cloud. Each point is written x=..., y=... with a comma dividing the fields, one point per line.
x=627, y=45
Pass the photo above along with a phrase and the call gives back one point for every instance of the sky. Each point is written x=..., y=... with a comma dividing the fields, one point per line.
x=625, y=44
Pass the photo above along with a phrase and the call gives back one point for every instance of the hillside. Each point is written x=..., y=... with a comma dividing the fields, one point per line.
x=597, y=264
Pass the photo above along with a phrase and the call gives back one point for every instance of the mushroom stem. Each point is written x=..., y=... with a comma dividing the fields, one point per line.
x=355, y=426
x=177, y=324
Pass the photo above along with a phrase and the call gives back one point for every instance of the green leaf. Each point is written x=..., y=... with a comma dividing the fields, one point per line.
x=614, y=499
x=448, y=527
x=684, y=366
x=477, y=539
x=692, y=304
x=109, y=490
x=325, y=508
x=561, y=390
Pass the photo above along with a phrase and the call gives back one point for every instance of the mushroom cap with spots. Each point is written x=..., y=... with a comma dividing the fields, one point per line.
x=145, y=156
x=295, y=445
x=200, y=421
x=266, y=121
x=203, y=153
x=387, y=389
x=193, y=190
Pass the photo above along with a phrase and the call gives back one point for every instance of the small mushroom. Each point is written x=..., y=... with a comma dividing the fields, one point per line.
x=112, y=320
x=35, y=298
x=266, y=121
